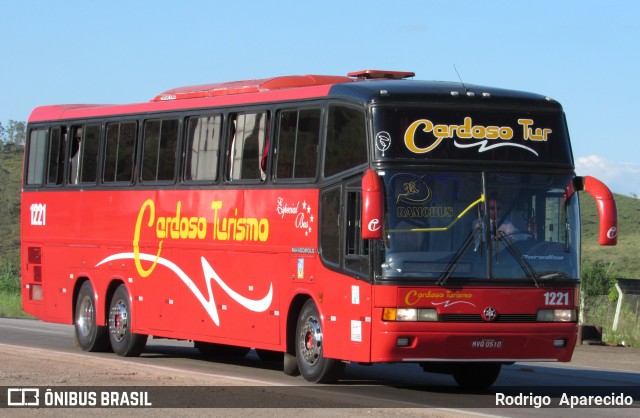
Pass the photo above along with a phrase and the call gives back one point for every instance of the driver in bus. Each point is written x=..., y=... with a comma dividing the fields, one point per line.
x=506, y=226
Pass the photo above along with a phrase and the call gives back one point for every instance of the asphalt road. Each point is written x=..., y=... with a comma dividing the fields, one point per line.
x=37, y=354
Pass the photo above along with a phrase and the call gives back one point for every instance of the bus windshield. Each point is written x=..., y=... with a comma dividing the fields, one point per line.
x=486, y=225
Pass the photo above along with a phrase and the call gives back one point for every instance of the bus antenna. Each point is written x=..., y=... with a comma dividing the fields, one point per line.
x=461, y=82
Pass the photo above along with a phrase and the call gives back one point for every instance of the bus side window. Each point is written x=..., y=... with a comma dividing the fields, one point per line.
x=330, y=203
x=74, y=155
x=159, y=150
x=248, y=146
x=346, y=145
x=36, y=148
x=85, y=143
x=119, y=152
x=297, y=147
x=202, y=148
x=55, y=169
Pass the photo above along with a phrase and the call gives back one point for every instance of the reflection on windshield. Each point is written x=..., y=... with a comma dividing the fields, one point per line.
x=444, y=226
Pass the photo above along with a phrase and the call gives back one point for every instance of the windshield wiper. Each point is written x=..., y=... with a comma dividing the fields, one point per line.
x=517, y=255
x=453, y=263
x=553, y=275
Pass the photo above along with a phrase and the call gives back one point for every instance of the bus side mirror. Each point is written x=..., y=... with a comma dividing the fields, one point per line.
x=372, y=204
x=606, y=208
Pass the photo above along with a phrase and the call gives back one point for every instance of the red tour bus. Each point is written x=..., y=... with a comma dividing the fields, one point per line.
x=367, y=218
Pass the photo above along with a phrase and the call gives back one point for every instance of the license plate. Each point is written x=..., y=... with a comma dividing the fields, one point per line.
x=487, y=343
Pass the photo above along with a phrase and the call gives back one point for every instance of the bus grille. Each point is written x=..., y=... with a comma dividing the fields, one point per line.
x=477, y=318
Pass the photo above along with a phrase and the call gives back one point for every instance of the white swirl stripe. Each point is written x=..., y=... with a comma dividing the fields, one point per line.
x=482, y=146
x=209, y=273
x=447, y=303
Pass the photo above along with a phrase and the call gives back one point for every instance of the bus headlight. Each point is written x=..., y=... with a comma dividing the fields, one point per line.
x=557, y=315
x=409, y=315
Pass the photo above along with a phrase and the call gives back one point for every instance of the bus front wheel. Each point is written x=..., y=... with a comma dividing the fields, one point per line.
x=88, y=334
x=124, y=342
x=313, y=366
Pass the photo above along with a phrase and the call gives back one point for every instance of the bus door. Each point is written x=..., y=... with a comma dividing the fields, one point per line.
x=346, y=297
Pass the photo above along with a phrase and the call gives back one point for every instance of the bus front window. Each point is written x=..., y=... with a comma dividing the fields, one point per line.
x=479, y=226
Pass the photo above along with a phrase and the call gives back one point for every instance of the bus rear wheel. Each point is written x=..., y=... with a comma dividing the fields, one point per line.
x=89, y=335
x=124, y=342
x=313, y=366
x=476, y=375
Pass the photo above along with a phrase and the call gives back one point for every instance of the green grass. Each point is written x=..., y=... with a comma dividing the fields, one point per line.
x=11, y=305
x=600, y=311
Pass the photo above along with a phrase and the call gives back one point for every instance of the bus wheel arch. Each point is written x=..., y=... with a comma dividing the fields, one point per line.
x=290, y=361
x=124, y=341
x=88, y=335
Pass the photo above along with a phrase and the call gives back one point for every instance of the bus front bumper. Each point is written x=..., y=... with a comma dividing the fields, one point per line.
x=449, y=342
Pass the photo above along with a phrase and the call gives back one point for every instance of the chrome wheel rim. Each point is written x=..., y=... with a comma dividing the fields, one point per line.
x=310, y=341
x=86, y=315
x=119, y=320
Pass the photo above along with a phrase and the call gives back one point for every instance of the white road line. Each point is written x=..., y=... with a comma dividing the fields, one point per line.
x=65, y=332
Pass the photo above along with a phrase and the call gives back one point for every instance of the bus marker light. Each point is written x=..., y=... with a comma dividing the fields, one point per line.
x=35, y=292
x=403, y=342
x=389, y=314
x=560, y=343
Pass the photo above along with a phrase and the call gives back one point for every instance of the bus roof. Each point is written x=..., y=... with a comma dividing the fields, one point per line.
x=249, y=86
x=366, y=85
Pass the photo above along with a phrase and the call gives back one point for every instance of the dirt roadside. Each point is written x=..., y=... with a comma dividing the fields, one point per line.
x=607, y=357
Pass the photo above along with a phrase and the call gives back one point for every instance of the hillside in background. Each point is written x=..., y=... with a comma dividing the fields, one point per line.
x=10, y=175
x=623, y=260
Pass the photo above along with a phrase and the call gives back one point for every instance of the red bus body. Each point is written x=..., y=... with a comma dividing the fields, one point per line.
x=234, y=262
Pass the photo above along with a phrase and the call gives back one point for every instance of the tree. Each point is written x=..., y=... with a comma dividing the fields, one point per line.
x=3, y=133
x=596, y=278
x=16, y=132
x=596, y=281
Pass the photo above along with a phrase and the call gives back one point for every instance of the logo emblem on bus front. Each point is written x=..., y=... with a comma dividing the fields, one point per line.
x=489, y=314
x=383, y=141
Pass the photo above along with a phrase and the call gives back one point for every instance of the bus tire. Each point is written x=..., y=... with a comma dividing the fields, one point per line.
x=291, y=365
x=476, y=375
x=124, y=342
x=89, y=335
x=313, y=366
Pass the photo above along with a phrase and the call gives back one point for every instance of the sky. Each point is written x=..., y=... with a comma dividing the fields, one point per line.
x=583, y=53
